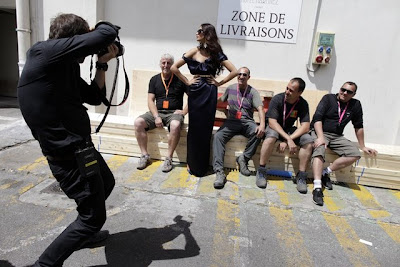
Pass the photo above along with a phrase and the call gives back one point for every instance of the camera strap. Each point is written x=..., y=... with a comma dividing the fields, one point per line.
x=106, y=101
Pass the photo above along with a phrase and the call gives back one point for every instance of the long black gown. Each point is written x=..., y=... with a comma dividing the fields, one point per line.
x=202, y=103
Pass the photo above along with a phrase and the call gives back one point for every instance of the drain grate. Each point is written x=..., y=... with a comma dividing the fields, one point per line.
x=53, y=188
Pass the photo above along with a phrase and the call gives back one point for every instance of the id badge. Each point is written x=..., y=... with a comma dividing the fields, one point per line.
x=238, y=115
x=165, y=104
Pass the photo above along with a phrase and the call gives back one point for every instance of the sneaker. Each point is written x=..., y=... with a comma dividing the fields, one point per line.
x=220, y=180
x=301, y=181
x=326, y=181
x=143, y=162
x=318, y=196
x=95, y=239
x=167, y=166
x=261, y=177
x=242, y=162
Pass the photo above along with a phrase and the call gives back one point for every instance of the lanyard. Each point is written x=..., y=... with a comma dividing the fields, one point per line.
x=166, y=86
x=344, y=111
x=240, y=102
x=284, y=110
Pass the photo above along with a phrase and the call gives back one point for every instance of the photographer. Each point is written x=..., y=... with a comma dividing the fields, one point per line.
x=51, y=94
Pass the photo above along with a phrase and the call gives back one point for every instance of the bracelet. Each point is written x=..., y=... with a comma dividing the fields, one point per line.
x=101, y=66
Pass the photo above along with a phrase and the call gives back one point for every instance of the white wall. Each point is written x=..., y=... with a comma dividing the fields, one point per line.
x=366, y=47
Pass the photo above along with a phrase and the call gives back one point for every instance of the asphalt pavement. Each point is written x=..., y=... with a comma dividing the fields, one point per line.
x=175, y=219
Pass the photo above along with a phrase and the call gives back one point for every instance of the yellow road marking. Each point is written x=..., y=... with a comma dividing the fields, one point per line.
x=396, y=193
x=365, y=197
x=392, y=230
x=357, y=253
x=25, y=188
x=206, y=185
x=116, y=161
x=280, y=185
x=225, y=249
x=8, y=185
x=329, y=202
x=291, y=237
x=379, y=213
x=37, y=163
x=182, y=179
x=144, y=175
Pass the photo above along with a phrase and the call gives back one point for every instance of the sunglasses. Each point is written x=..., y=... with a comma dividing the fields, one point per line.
x=243, y=74
x=347, y=91
x=199, y=31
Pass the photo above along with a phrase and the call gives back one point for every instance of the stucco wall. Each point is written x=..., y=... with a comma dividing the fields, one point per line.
x=366, y=42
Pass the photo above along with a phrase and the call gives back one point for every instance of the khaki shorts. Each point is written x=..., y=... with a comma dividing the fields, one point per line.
x=166, y=116
x=301, y=141
x=338, y=144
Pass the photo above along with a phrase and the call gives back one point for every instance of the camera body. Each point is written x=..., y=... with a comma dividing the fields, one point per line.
x=121, y=50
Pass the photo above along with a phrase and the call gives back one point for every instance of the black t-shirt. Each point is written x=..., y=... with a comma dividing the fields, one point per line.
x=276, y=107
x=175, y=92
x=51, y=92
x=328, y=112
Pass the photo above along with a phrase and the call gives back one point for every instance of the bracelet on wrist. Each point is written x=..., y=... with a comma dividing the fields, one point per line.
x=101, y=66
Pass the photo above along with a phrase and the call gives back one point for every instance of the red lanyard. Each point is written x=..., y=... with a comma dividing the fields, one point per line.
x=166, y=86
x=240, y=102
x=284, y=110
x=344, y=111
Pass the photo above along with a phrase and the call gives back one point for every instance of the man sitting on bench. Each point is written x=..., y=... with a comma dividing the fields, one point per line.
x=167, y=91
x=282, y=113
x=333, y=113
x=242, y=100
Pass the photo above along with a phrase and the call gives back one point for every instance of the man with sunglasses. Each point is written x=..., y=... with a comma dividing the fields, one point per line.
x=242, y=99
x=333, y=113
x=282, y=113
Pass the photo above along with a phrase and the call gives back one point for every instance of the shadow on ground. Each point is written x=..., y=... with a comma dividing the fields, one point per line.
x=141, y=246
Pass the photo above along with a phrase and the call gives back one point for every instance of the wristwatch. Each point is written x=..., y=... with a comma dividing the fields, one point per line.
x=101, y=66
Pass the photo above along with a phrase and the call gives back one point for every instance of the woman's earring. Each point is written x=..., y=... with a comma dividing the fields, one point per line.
x=205, y=45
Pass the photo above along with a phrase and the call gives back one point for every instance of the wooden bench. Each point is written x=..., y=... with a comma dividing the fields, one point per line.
x=118, y=137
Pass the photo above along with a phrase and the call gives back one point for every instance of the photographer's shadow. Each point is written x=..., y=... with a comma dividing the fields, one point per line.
x=141, y=246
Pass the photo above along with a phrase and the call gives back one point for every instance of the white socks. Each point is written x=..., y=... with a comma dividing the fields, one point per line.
x=327, y=170
x=317, y=184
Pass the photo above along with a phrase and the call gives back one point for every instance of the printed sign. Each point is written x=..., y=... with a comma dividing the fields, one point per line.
x=259, y=20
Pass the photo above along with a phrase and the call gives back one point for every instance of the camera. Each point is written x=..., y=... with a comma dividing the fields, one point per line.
x=121, y=50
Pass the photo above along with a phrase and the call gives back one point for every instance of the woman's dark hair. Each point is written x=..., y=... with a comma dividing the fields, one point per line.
x=67, y=25
x=212, y=46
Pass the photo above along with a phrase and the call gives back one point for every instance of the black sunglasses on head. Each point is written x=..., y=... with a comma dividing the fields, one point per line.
x=347, y=91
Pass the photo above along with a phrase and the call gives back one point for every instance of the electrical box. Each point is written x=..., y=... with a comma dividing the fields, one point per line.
x=323, y=48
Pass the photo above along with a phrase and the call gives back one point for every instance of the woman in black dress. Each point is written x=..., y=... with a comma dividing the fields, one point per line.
x=205, y=62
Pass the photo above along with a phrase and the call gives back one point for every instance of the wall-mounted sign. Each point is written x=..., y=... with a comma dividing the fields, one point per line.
x=259, y=20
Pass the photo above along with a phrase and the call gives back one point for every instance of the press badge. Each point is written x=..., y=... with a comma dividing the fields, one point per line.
x=238, y=115
x=165, y=104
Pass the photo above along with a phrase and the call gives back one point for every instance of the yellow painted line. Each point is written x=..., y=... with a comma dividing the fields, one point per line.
x=291, y=238
x=365, y=197
x=280, y=186
x=116, y=161
x=379, y=213
x=206, y=185
x=144, y=175
x=393, y=230
x=179, y=178
x=37, y=163
x=25, y=188
x=329, y=202
x=396, y=193
x=8, y=185
x=357, y=253
x=225, y=247
x=224, y=250
x=252, y=194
